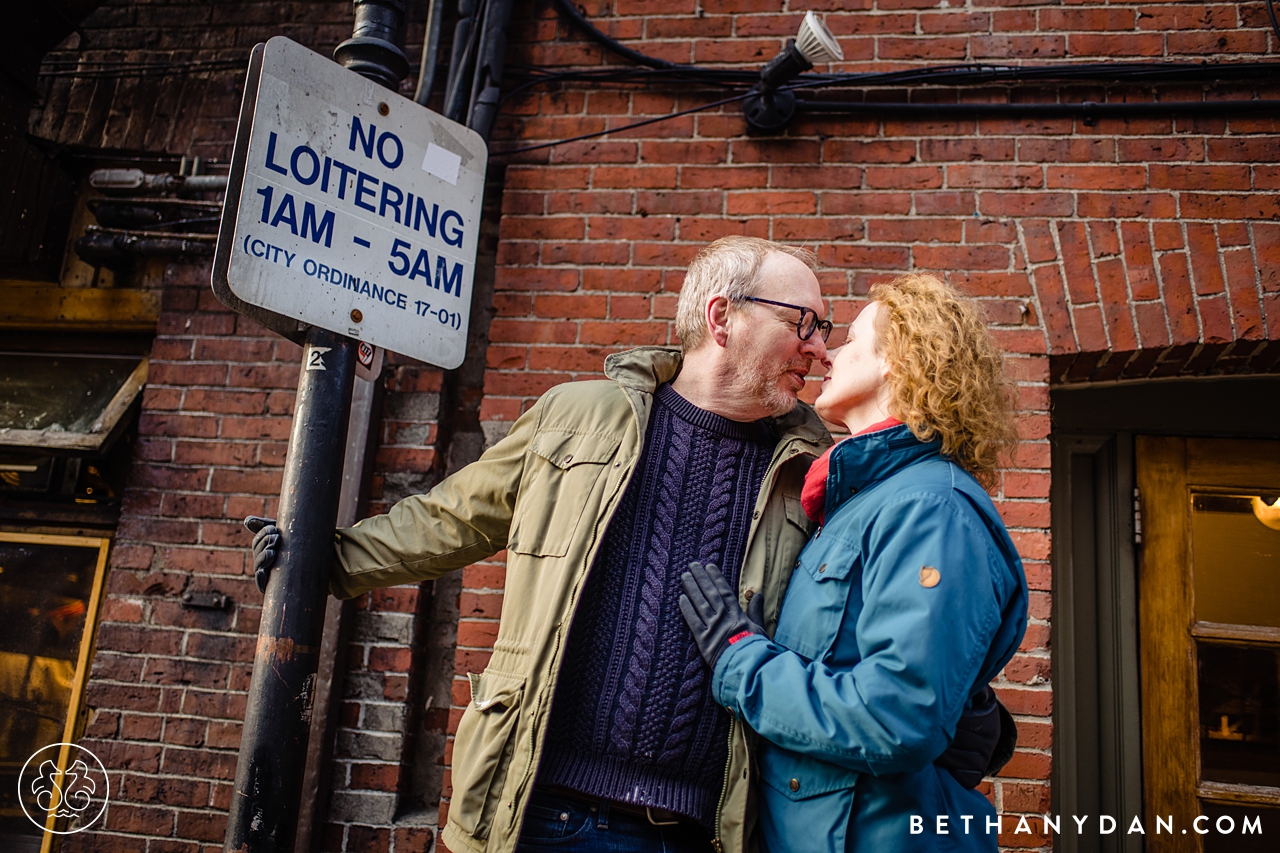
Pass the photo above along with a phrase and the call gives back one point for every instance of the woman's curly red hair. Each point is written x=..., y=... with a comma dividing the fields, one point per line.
x=946, y=371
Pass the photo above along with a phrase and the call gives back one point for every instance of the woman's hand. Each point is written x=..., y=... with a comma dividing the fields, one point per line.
x=711, y=608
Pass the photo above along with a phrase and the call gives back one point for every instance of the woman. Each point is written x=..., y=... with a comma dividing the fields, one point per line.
x=905, y=604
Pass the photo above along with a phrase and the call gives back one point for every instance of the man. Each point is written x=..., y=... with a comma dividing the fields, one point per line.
x=594, y=716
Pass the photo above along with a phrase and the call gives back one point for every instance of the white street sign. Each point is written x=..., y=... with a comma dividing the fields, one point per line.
x=359, y=210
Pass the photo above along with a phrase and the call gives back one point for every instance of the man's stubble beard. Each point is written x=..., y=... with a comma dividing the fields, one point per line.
x=765, y=382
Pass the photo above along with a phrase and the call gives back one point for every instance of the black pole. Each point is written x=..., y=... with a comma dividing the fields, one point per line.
x=277, y=721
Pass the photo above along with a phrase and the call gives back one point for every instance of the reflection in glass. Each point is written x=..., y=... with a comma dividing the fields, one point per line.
x=59, y=393
x=44, y=597
x=1235, y=558
x=1231, y=828
x=1239, y=715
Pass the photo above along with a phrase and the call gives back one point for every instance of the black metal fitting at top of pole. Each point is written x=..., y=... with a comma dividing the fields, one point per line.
x=376, y=46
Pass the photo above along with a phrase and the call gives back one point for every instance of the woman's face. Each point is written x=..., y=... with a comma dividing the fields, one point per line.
x=855, y=389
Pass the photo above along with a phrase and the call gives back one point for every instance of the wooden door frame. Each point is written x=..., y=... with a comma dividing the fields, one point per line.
x=1169, y=469
x=1094, y=424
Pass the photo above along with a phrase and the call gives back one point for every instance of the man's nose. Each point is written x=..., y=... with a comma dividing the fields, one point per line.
x=815, y=347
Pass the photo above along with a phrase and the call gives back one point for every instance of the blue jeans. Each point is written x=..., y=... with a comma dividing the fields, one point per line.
x=553, y=822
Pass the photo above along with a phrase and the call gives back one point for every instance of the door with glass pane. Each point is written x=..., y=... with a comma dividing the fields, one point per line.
x=1209, y=611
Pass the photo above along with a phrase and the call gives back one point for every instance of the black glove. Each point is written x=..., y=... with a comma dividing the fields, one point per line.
x=984, y=741
x=266, y=537
x=711, y=608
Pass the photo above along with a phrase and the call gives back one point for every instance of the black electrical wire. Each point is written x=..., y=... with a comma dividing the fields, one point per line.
x=1271, y=10
x=945, y=75
x=1088, y=110
x=653, y=120
x=110, y=68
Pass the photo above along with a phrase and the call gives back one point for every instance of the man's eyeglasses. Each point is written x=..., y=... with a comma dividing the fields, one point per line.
x=808, y=322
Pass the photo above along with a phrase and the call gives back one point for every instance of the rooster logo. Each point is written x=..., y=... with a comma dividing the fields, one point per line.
x=69, y=799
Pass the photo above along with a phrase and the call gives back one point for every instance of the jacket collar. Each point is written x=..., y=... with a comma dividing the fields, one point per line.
x=645, y=368
x=864, y=460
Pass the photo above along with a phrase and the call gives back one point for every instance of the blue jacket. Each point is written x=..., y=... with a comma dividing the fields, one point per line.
x=903, y=606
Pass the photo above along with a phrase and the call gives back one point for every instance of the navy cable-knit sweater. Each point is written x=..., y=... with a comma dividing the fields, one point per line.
x=633, y=719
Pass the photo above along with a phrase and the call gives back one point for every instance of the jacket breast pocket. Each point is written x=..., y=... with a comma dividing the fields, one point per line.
x=817, y=597
x=559, y=478
x=483, y=748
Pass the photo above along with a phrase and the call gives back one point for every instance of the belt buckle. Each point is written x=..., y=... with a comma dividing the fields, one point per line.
x=648, y=812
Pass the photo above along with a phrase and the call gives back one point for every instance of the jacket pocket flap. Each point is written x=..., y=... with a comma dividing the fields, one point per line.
x=830, y=564
x=796, y=514
x=799, y=777
x=490, y=688
x=567, y=449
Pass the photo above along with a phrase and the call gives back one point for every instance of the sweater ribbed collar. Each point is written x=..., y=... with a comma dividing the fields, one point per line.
x=755, y=431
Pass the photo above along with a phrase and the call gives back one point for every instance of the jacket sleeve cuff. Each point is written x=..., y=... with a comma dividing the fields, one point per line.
x=736, y=664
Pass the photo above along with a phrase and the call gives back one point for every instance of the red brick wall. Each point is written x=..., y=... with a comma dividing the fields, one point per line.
x=167, y=689
x=1128, y=248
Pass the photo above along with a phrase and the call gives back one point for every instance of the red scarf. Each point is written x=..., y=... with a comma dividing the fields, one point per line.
x=813, y=497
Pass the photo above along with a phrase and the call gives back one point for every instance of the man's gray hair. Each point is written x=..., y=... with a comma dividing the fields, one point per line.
x=729, y=267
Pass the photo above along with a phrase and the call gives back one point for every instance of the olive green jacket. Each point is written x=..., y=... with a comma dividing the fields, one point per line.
x=547, y=493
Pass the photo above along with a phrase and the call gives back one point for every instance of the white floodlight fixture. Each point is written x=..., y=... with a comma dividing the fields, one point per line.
x=769, y=110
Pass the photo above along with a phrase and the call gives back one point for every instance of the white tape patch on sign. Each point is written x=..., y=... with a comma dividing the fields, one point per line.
x=442, y=163
x=336, y=226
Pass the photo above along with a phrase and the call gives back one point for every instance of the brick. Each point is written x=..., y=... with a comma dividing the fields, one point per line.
x=1127, y=205
x=904, y=177
x=1231, y=206
x=961, y=257
x=1025, y=204
x=1205, y=262
x=1242, y=290
x=1128, y=44
x=871, y=151
x=1266, y=245
x=1215, y=319
x=994, y=176
x=1090, y=329
x=915, y=230
x=1115, y=304
x=1152, y=324
x=1076, y=261
x=1139, y=260
x=1184, y=324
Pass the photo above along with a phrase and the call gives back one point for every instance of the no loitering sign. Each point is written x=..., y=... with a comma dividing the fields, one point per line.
x=350, y=208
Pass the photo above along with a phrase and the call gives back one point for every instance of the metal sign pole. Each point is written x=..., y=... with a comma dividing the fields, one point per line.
x=273, y=746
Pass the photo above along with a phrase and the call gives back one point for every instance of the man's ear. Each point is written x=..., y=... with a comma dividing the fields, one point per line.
x=718, y=320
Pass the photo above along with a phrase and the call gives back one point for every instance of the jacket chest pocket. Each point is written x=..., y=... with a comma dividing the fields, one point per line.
x=818, y=596
x=561, y=475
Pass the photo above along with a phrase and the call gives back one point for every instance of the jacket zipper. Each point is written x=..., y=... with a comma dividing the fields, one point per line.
x=724, y=789
x=769, y=474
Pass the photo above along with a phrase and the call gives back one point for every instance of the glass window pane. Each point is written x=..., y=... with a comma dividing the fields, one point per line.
x=1239, y=715
x=1240, y=829
x=1235, y=558
x=44, y=598
x=58, y=393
